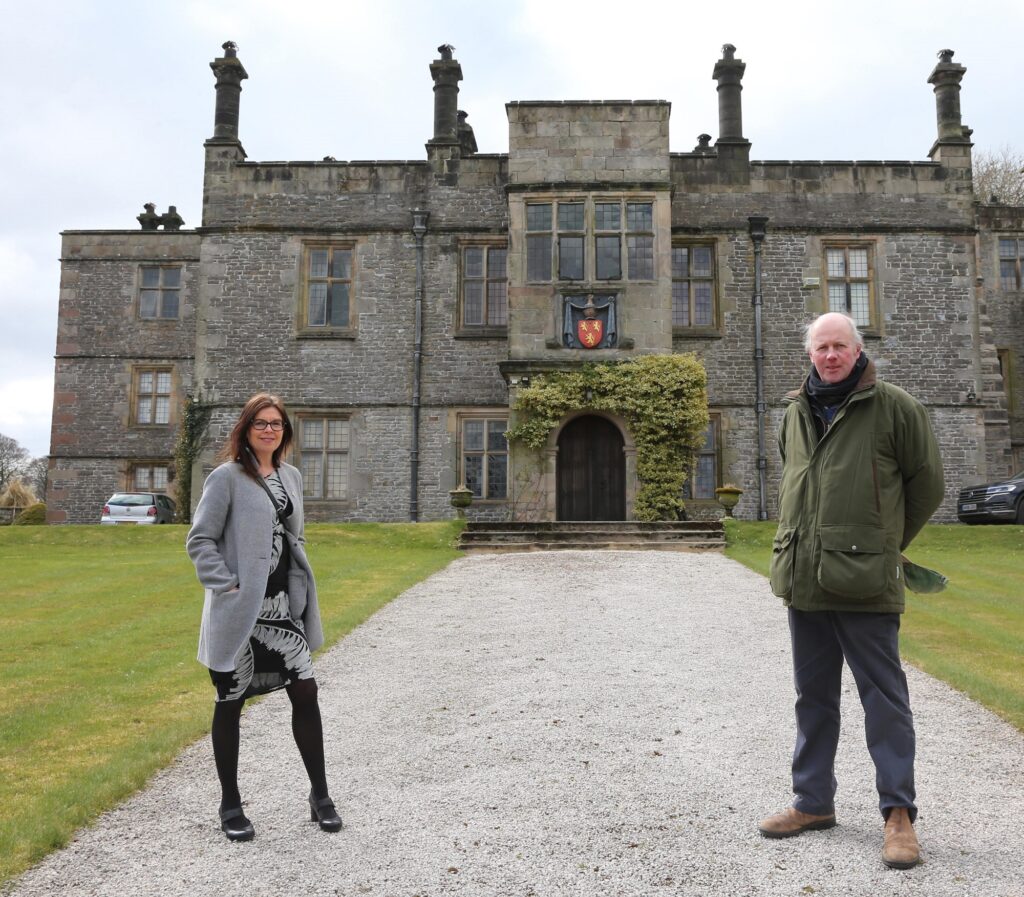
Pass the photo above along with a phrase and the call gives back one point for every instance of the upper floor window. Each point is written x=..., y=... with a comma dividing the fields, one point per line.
x=582, y=239
x=484, y=286
x=1010, y=252
x=149, y=477
x=485, y=456
x=327, y=288
x=152, y=391
x=323, y=456
x=693, y=285
x=848, y=281
x=159, y=291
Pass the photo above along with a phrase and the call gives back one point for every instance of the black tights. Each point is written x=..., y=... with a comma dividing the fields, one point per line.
x=306, y=728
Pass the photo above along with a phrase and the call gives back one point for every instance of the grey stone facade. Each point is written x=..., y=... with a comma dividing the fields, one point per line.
x=410, y=355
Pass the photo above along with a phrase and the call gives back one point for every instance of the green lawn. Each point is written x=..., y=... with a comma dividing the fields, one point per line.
x=99, y=689
x=972, y=634
x=98, y=683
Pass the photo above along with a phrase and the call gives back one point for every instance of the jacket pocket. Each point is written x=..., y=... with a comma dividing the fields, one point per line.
x=852, y=560
x=780, y=573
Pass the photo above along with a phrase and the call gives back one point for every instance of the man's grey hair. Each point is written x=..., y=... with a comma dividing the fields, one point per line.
x=858, y=338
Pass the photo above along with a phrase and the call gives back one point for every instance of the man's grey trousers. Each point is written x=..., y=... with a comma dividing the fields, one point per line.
x=869, y=642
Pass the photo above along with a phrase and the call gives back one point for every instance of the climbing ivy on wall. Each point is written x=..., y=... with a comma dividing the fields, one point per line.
x=663, y=399
x=195, y=417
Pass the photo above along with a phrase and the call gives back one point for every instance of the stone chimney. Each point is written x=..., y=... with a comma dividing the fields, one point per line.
x=447, y=73
x=954, y=140
x=732, y=146
x=230, y=73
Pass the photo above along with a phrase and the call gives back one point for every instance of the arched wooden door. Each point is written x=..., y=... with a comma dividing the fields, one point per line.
x=591, y=471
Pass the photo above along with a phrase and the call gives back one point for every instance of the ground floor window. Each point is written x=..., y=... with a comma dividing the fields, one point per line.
x=707, y=474
x=484, y=456
x=323, y=456
x=149, y=477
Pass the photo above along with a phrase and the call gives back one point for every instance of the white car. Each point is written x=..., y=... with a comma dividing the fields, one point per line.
x=138, y=507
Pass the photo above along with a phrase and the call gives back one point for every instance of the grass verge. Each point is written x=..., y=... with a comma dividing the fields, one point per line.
x=972, y=634
x=98, y=683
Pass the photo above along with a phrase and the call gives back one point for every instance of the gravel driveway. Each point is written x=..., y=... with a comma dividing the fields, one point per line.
x=573, y=723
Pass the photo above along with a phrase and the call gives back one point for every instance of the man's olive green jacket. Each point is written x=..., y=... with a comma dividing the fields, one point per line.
x=850, y=504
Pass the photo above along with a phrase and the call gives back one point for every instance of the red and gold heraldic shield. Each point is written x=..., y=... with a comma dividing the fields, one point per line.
x=589, y=332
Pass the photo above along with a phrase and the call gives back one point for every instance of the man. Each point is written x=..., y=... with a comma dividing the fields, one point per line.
x=861, y=475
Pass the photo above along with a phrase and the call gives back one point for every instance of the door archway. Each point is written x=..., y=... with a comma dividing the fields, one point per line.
x=591, y=471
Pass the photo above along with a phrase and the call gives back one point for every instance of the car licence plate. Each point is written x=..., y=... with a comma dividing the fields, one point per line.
x=970, y=506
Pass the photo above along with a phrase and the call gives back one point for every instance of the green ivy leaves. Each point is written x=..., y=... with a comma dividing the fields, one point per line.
x=663, y=399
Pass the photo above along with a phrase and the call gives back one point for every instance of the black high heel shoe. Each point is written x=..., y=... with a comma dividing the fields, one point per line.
x=235, y=825
x=323, y=811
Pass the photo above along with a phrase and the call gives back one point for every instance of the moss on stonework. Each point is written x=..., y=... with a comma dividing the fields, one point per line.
x=663, y=399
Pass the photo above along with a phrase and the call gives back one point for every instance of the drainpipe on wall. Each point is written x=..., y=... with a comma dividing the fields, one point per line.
x=419, y=230
x=757, y=231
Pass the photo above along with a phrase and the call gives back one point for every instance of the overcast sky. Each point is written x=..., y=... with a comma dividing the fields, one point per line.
x=106, y=105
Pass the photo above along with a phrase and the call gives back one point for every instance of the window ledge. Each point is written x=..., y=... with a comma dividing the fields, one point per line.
x=481, y=333
x=326, y=334
x=626, y=342
x=697, y=333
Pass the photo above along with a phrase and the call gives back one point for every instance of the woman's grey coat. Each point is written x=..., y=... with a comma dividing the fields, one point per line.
x=230, y=544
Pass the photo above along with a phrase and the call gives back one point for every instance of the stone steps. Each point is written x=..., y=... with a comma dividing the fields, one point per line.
x=630, y=535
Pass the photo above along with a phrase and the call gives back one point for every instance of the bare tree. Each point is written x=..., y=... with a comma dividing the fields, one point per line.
x=34, y=475
x=999, y=176
x=13, y=459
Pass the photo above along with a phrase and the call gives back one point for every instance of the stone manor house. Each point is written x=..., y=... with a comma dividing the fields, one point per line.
x=398, y=306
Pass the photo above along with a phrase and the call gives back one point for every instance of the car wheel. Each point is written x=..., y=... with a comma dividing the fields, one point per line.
x=1020, y=511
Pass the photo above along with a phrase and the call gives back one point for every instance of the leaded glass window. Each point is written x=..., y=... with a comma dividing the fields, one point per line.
x=323, y=448
x=485, y=457
x=1010, y=252
x=693, y=286
x=848, y=279
x=538, y=241
x=701, y=486
x=562, y=236
x=159, y=291
x=150, y=477
x=484, y=286
x=152, y=396
x=328, y=281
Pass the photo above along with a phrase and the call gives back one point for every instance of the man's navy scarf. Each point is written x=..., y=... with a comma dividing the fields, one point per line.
x=827, y=398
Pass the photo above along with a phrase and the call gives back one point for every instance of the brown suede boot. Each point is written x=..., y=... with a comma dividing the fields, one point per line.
x=900, y=849
x=791, y=822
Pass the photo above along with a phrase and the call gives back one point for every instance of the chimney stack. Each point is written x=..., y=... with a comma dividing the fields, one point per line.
x=447, y=73
x=230, y=73
x=731, y=143
x=946, y=78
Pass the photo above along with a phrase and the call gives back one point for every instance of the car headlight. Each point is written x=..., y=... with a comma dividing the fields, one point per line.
x=999, y=490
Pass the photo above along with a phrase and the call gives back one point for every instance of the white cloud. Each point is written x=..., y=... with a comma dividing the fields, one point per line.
x=25, y=412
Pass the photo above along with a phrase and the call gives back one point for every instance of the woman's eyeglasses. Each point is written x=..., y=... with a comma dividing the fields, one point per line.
x=276, y=425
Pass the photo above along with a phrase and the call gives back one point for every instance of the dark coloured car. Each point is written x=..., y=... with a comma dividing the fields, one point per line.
x=138, y=507
x=1001, y=502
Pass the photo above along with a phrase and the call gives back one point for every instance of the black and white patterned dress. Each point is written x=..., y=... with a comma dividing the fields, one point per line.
x=277, y=653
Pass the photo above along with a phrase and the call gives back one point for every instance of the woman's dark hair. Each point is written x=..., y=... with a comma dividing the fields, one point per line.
x=237, y=448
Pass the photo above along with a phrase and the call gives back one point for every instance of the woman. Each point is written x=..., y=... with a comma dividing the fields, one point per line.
x=260, y=616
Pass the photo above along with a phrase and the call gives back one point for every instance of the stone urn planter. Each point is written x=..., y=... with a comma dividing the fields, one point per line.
x=728, y=496
x=460, y=498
